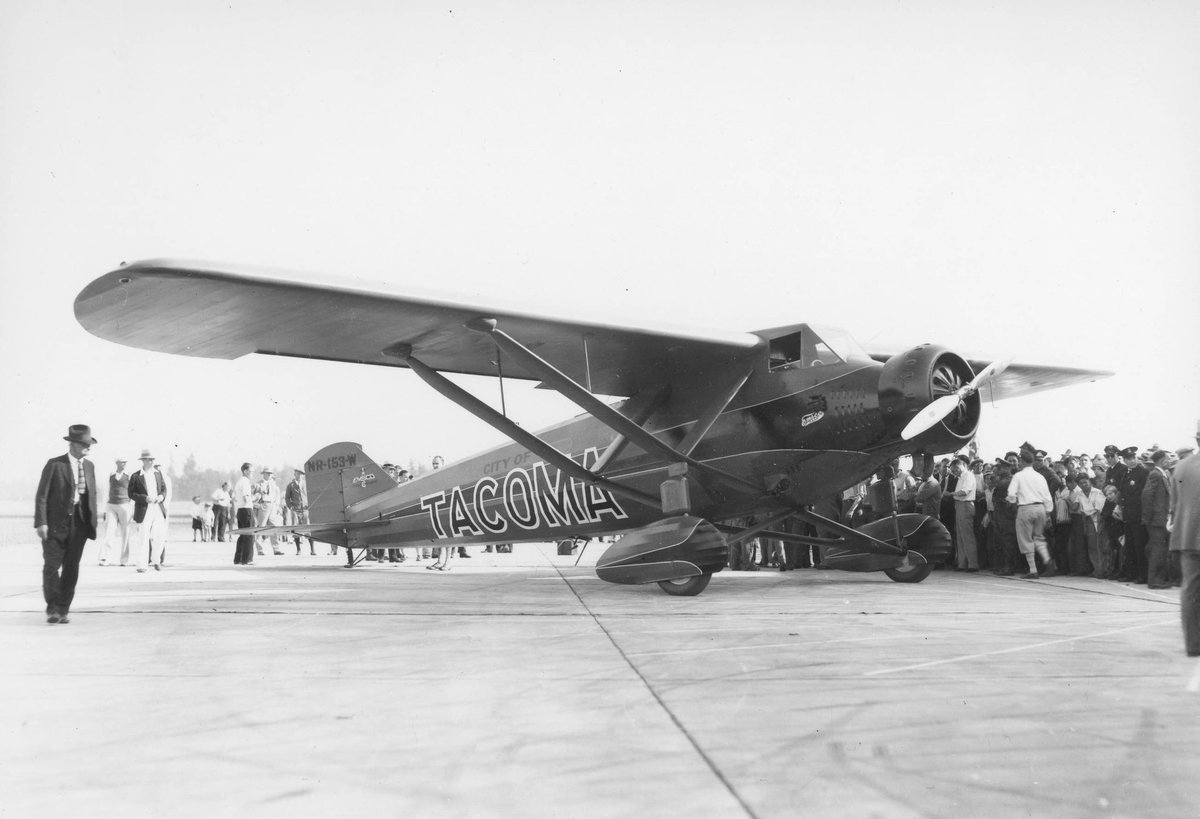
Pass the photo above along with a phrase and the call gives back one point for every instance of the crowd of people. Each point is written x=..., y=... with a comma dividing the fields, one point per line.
x=1102, y=516
x=135, y=520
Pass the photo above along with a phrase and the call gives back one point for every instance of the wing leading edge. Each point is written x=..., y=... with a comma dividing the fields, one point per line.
x=215, y=311
x=1022, y=379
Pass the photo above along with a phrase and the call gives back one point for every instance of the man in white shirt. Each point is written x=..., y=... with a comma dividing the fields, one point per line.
x=1031, y=494
x=1090, y=501
x=964, y=514
x=266, y=506
x=243, y=504
x=221, y=504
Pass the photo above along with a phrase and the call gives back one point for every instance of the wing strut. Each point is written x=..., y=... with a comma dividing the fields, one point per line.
x=639, y=411
x=612, y=418
x=844, y=535
x=508, y=427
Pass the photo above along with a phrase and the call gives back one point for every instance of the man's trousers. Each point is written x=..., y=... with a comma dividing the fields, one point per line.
x=60, y=564
x=116, y=526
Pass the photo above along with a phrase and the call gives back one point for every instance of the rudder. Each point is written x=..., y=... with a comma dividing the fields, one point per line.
x=339, y=475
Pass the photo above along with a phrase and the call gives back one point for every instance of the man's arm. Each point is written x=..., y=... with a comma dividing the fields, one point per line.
x=41, y=501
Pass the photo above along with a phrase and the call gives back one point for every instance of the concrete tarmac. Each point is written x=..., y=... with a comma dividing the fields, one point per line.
x=521, y=685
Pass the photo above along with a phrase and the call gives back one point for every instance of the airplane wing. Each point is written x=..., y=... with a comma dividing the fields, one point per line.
x=217, y=311
x=1021, y=379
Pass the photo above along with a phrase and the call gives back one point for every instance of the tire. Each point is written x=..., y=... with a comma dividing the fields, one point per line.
x=912, y=575
x=685, y=586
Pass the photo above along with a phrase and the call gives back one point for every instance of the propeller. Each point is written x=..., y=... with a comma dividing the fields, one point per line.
x=952, y=400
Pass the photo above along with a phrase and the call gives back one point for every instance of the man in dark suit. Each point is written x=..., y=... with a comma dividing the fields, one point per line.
x=1156, y=505
x=1131, y=486
x=65, y=516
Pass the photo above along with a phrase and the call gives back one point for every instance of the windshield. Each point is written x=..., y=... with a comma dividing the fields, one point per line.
x=815, y=347
x=839, y=342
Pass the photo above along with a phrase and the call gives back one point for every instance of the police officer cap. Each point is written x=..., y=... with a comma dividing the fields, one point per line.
x=1039, y=453
x=1028, y=446
x=1111, y=449
x=1129, y=452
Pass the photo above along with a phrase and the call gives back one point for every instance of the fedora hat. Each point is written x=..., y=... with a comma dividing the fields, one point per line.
x=146, y=455
x=80, y=434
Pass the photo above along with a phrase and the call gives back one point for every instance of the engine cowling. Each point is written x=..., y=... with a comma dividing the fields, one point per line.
x=912, y=380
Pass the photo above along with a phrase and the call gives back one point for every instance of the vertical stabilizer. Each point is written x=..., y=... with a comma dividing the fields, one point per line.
x=339, y=475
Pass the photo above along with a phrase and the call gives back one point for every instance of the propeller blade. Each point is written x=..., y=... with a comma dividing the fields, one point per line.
x=929, y=416
x=945, y=405
x=987, y=374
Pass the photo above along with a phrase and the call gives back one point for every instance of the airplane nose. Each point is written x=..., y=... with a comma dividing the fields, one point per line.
x=913, y=380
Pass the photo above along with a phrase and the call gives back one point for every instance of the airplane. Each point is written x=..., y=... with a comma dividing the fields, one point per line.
x=689, y=441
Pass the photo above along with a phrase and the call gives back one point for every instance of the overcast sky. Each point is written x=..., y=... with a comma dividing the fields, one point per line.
x=1009, y=179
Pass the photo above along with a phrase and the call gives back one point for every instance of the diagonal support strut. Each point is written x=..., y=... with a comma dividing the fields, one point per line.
x=483, y=412
x=607, y=415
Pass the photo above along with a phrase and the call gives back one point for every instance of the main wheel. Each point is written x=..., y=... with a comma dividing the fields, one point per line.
x=685, y=586
x=909, y=574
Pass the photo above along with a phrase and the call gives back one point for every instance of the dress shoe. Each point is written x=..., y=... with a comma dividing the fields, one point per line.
x=1030, y=576
x=52, y=618
x=158, y=567
x=140, y=570
x=1159, y=587
x=461, y=554
x=63, y=619
x=972, y=571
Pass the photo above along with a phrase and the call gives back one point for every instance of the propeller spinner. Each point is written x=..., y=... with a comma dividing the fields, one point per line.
x=956, y=393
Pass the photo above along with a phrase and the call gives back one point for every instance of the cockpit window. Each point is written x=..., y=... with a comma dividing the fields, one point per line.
x=809, y=348
x=841, y=342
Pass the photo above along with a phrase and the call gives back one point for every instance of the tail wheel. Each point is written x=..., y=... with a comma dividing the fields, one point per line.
x=909, y=574
x=685, y=586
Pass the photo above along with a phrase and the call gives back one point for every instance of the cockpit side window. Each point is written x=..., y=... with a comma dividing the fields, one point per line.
x=801, y=349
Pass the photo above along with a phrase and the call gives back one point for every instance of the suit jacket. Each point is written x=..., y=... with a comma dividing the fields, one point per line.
x=1156, y=500
x=1185, y=506
x=55, y=500
x=1131, y=486
x=140, y=494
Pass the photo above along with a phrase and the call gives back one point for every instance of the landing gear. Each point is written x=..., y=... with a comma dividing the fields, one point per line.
x=685, y=586
x=909, y=574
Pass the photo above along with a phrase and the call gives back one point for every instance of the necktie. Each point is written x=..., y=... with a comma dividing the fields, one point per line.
x=80, y=484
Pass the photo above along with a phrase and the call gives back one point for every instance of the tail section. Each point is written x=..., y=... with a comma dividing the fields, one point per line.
x=338, y=476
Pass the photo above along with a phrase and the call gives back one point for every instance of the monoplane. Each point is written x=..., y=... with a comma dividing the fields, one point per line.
x=688, y=442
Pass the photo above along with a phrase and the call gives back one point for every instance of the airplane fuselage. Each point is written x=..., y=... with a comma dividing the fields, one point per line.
x=801, y=433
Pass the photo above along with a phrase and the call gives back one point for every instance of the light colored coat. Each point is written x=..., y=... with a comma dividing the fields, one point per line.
x=1185, y=506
